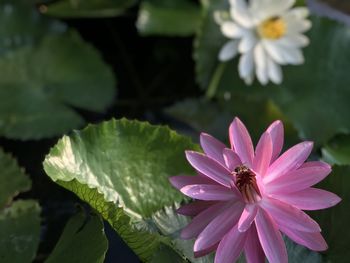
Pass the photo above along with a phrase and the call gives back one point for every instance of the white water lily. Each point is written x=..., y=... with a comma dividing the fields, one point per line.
x=267, y=34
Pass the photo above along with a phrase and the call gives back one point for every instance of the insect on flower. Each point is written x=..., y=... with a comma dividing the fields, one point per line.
x=267, y=34
x=245, y=198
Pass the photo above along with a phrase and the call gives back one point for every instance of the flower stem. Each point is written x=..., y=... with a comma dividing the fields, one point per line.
x=215, y=80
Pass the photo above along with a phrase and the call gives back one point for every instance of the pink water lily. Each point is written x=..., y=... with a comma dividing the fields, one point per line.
x=245, y=198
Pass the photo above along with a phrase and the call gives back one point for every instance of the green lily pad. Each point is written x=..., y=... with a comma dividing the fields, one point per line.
x=22, y=25
x=297, y=253
x=170, y=224
x=166, y=254
x=41, y=84
x=19, y=232
x=215, y=117
x=334, y=221
x=13, y=179
x=82, y=238
x=86, y=8
x=121, y=169
x=168, y=17
x=337, y=150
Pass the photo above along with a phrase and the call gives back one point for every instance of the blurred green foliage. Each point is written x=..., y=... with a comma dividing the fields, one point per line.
x=47, y=70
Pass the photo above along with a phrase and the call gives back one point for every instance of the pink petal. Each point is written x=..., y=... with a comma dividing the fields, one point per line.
x=212, y=147
x=219, y=227
x=263, y=154
x=200, y=221
x=286, y=215
x=230, y=246
x=316, y=164
x=206, y=251
x=180, y=181
x=209, y=167
x=231, y=159
x=270, y=238
x=252, y=248
x=276, y=132
x=290, y=160
x=194, y=208
x=311, y=240
x=310, y=199
x=297, y=180
x=247, y=217
x=241, y=142
x=209, y=192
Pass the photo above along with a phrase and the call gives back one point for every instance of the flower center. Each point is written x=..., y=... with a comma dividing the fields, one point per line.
x=272, y=28
x=246, y=184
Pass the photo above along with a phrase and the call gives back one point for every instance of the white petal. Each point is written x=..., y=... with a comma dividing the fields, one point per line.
x=293, y=56
x=296, y=25
x=274, y=72
x=228, y=51
x=220, y=17
x=241, y=13
x=249, y=79
x=261, y=64
x=246, y=65
x=231, y=30
x=300, y=12
x=274, y=51
x=247, y=43
x=265, y=9
x=297, y=40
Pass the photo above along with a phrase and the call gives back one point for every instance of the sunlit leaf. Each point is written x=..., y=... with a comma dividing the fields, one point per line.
x=40, y=85
x=82, y=238
x=168, y=17
x=19, y=232
x=121, y=169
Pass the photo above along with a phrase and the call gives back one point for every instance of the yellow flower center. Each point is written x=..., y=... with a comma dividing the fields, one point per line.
x=272, y=28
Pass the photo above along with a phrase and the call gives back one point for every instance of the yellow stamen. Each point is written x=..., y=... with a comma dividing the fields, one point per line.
x=273, y=28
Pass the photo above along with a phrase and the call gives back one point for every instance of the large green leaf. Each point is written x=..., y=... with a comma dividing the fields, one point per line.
x=215, y=117
x=22, y=25
x=86, y=8
x=168, y=17
x=82, y=238
x=337, y=150
x=334, y=221
x=169, y=224
x=297, y=253
x=39, y=85
x=121, y=169
x=166, y=254
x=13, y=179
x=19, y=232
